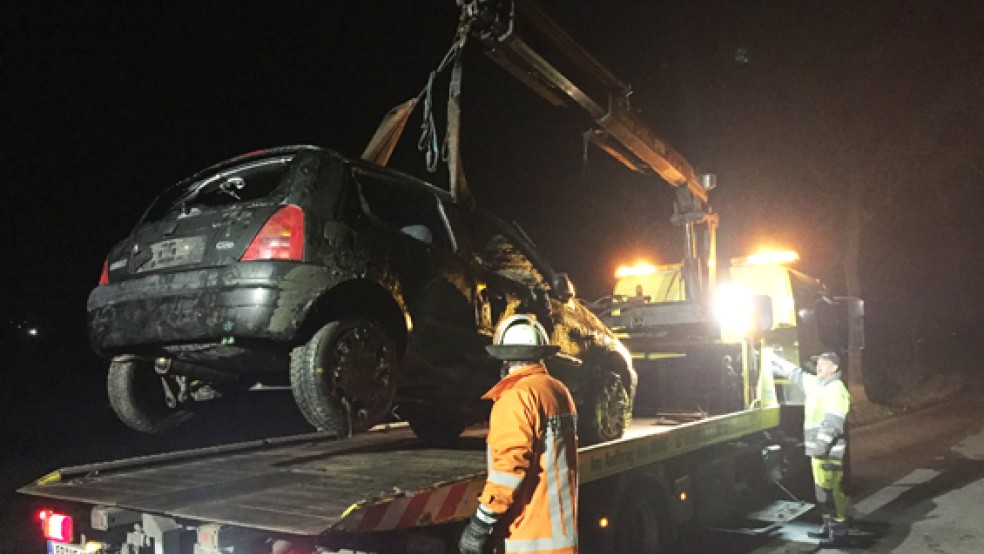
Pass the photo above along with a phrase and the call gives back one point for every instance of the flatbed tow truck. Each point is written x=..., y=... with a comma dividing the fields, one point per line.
x=386, y=492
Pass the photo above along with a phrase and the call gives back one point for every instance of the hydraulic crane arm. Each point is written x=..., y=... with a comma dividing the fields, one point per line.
x=506, y=29
x=598, y=92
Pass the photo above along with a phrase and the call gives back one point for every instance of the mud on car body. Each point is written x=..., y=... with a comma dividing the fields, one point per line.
x=368, y=291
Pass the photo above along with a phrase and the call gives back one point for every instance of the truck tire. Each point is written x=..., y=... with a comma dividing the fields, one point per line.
x=136, y=394
x=434, y=428
x=607, y=412
x=639, y=525
x=343, y=378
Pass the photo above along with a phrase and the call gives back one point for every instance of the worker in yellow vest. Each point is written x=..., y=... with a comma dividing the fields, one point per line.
x=827, y=403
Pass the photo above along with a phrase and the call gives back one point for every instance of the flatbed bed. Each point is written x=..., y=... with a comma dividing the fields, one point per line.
x=309, y=485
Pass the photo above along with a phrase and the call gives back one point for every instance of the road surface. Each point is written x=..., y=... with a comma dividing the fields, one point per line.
x=918, y=488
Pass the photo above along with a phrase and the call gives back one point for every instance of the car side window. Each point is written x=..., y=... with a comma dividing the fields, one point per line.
x=415, y=213
x=498, y=251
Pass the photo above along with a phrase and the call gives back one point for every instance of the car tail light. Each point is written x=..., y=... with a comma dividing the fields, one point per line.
x=281, y=238
x=104, y=276
x=56, y=527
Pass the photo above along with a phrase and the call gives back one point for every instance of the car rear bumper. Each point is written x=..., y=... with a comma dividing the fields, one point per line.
x=252, y=300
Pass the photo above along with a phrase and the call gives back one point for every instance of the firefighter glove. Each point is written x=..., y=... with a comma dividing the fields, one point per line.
x=477, y=532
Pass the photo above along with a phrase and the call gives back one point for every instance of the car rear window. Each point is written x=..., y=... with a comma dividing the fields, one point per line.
x=245, y=182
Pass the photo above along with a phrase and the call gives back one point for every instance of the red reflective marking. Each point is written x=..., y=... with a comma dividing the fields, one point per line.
x=451, y=502
x=374, y=515
x=414, y=509
x=104, y=276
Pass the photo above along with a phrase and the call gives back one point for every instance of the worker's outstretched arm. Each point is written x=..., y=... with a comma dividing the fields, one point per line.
x=784, y=368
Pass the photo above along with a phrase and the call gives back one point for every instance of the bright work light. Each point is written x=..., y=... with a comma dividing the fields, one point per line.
x=733, y=310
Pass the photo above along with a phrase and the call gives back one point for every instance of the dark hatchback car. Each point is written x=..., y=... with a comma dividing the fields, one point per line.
x=369, y=292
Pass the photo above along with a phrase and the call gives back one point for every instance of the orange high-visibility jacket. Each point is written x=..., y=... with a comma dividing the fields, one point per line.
x=532, y=462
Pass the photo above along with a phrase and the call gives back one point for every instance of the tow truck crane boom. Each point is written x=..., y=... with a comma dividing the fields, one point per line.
x=618, y=130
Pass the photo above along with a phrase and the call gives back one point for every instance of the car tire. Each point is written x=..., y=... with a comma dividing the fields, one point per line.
x=435, y=428
x=137, y=396
x=607, y=412
x=343, y=379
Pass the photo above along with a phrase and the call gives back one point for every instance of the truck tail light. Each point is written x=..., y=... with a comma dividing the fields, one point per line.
x=56, y=527
x=104, y=276
x=281, y=238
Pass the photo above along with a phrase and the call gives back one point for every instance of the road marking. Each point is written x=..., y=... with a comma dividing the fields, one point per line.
x=886, y=495
x=971, y=447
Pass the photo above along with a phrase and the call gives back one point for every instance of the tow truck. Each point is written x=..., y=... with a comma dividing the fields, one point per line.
x=384, y=491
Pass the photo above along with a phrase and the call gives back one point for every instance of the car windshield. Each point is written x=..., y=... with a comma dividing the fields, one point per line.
x=248, y=181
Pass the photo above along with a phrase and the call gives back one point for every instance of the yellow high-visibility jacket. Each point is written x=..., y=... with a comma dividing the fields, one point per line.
x=532, y=462
x=826, y=406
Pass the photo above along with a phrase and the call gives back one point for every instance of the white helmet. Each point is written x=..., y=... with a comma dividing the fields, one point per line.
x=520, y=337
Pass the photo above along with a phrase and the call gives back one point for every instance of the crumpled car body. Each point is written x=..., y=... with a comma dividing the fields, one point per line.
x=368, y=291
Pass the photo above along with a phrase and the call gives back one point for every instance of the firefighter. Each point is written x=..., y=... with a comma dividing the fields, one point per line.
x=530, y=495
x=827, y=403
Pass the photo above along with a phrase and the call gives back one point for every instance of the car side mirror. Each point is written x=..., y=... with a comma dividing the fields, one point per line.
x=562, y=286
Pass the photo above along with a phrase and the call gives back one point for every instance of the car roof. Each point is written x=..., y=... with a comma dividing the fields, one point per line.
x=355, y=162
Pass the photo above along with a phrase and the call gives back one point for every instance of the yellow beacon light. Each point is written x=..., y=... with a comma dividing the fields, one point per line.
x=767, y=257
x=637, y=270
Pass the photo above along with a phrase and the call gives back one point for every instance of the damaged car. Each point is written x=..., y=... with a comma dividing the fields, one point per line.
x=369, y=293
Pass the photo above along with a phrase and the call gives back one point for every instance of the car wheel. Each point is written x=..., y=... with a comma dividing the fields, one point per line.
x=435, y=428
x=342, y=379
x=607, y=412
x=136, y=394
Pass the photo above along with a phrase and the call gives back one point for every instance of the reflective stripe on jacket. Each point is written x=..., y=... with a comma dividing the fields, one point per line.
x=826, y=406
x=532, y=462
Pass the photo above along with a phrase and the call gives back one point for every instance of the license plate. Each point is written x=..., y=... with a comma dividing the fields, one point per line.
x=175, y=252
x=65, y=548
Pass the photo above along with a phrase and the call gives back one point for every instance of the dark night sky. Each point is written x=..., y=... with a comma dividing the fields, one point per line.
x=790, y=103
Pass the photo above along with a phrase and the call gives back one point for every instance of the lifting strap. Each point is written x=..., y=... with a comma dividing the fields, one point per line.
x=388, y=133
x=449, y=150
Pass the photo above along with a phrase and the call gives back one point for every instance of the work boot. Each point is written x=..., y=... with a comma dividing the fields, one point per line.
x=824, y=531
x=838, y=535
x=834, y=541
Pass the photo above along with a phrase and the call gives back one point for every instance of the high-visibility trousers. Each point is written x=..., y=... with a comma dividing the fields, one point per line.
x=828, y=478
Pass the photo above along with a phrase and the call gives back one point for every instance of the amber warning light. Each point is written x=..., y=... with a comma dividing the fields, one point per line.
x=55, y=527
x=766, y=258
x=644, y=269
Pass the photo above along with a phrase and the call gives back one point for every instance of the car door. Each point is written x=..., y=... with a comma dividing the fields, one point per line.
x=517, y=280
x=505, y=279
x=417, y=251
